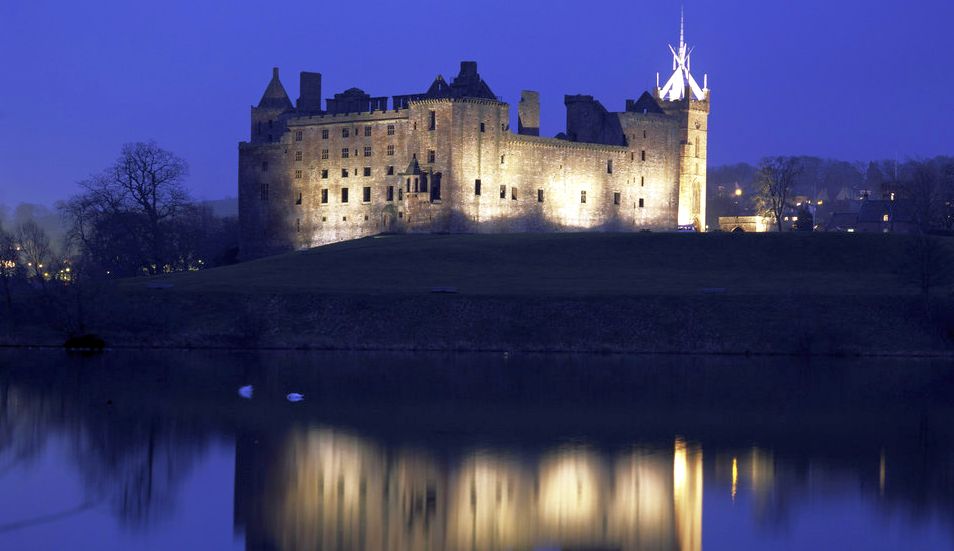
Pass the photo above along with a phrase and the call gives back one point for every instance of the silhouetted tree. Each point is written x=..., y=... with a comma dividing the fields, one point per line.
x=775, y=179
x=10, y=268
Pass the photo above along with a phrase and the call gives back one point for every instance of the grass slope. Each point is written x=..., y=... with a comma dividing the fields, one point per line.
x=583, y=264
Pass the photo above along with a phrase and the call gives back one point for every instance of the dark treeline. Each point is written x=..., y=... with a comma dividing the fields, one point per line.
x=835, y=186
x=134, y=218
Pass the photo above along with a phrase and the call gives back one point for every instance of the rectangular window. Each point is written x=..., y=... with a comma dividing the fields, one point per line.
x=400, y=194
x=298, y=225
x=344, y=172
x=367, y=130
x=642, y=181
x=324, y=174
x=324, y=134
x=391, y=149
x=265, y=166
x=345, y=132
x=390, y=195
x=298, y=135
x=344, y=195
x=298, y=199
x=345, y=152
x=367, y=171
x=367, y=151
x=513, y=193
x=582, y=197
x=642, y=155
x=324, y=196
x=641, y=203
x=390, y=130
x=616, y=198
x=390, y=170
x=503, y=192
x=502, y=157
x=324, y=154
x=432, y=121
x=264, y=192
x=298, y=175
x=477, y=187
x=366, y=194
x=539, y=196
x=483, y=127
x=430, y=155
x=609, y=166
x=298, y=155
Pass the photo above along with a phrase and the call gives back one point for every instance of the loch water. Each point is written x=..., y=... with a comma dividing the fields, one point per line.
x=413, y=451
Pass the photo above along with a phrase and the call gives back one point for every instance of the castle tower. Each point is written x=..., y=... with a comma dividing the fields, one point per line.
x=528, y=113
x=683, y=96
x=266, y=123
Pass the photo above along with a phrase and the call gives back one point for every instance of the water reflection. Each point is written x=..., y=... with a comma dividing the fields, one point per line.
x=404, y=453
x=332, y=490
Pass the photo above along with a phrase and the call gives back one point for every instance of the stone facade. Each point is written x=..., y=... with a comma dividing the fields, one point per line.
x=447, y=161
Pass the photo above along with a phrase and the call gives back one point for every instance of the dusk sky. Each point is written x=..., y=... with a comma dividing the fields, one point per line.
x=837, y=78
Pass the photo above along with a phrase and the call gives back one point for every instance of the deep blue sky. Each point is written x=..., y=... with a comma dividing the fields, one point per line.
x=839, y=78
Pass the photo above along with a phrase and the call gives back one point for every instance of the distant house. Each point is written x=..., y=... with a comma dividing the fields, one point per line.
x=876, y=217
x=745, y=224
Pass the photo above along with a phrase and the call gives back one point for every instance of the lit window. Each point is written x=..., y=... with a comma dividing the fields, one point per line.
x=885, y=218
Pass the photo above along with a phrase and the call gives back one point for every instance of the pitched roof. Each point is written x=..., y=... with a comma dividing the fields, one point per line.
x=875, y=211
x=413, y=167
x=275, y=96
x=647, y=104
x=467, y=84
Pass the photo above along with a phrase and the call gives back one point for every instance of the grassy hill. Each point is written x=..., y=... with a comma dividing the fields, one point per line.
x=581, y=264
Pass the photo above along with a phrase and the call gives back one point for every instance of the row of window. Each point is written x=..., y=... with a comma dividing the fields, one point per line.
x=345, y=132
x=617, y=197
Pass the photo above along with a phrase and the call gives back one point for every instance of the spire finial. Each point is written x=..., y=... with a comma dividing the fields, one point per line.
x=682, y=25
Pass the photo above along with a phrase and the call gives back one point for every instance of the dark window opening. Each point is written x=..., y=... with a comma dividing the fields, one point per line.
x=477, y=187
x=324, y=196
x=390, y=195
x=432, y=121
x=345, y=152
x=366, y=194
x=513, y=193
x=503, y=192
x=367, y=171
x=324, y=174
x=298, y=136
x=390, y=130
x=367, y=130
x=641, y=203
x=324, y=134
x=367, y=151
x=265, y=166
x=344, y=172
x=264, y=192
x=609, y=166
x=298, y=225
x=539, y=196
x=298, y=199
x=616, y=198
x=298, y=174
x=390, y=170
x=324, y=154
x=482, y=127
x=582, y=197
x=344, y=195
x=345, y=132
x=430, y=155
x=642, y=155
x=436, y=187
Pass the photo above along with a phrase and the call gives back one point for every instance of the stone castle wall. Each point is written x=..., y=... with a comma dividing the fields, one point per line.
x=336, y=177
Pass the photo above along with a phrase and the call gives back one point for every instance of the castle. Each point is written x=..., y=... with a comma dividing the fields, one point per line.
x=448, y=160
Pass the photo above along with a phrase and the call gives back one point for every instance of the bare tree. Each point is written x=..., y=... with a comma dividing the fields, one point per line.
x=128, y=215
x=35, y=250
x=9, y=266
x=774, y=181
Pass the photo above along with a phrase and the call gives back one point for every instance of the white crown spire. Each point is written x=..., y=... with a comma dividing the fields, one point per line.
x=681, y=82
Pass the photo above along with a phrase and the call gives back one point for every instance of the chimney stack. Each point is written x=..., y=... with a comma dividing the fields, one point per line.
x=309, y=95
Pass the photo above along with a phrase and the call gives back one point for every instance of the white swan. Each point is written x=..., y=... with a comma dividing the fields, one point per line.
x=246, y=391
x=295, y=397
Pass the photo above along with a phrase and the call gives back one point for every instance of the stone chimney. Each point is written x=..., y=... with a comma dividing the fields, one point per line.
x=528, y=113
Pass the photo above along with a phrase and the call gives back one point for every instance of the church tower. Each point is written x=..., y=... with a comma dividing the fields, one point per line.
x=683, y=97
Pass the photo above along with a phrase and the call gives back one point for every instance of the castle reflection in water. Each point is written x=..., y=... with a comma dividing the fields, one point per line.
x=325, y=489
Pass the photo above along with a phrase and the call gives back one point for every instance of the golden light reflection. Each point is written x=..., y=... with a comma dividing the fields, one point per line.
x=735, y=476
x=882, y=468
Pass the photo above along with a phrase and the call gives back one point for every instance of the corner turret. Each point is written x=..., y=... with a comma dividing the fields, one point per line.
x=267, y=122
